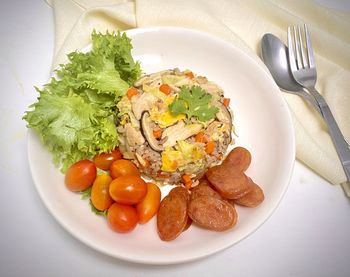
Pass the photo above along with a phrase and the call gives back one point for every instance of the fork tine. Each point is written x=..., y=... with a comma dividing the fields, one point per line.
x=303, y=56
x=292, y=62
x=297, y=48
x=310, y=52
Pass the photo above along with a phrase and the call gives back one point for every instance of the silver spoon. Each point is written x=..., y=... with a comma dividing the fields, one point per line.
x=274, y=54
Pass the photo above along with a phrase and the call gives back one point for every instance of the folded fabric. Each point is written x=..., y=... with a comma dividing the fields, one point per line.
x=242, y=23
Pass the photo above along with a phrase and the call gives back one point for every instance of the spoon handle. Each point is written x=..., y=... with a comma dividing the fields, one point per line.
x=339, y=141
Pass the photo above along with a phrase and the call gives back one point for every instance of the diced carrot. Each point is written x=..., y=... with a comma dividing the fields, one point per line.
x=132, y=92
x=188, y=185
x=186, y=178
x=157, y=133
x=226, y=102
x=189, y=74
x=187, y=181
x=166, y=89
x=209, y=147
x=200, y=137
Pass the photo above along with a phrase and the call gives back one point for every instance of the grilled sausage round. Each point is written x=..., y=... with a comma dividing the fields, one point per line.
x=212, y=213
x=172, y=216
x=239, y=158
x=230, y=183
x=203, y=189
x=252, y=198
x=182, y=191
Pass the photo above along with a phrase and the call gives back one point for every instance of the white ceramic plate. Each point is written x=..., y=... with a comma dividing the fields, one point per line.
x=263, y=124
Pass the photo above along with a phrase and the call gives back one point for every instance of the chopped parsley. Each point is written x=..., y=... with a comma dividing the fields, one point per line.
x=194, y=101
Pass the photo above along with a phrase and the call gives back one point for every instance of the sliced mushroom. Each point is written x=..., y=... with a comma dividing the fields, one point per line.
x=141, y=103
x=223, y=115
x=180, y=131
x=147, y=132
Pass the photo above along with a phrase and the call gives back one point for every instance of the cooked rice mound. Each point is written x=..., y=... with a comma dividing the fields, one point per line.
x=167, y=144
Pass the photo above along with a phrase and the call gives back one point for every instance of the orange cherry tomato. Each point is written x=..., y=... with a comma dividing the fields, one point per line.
x=104, y=160
x=80, y=175
x=122, y=218
x=122, y=168
x=128, y=189
x=149, y=205
x=100, y=197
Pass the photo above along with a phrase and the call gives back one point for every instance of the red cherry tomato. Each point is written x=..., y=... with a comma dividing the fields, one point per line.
x=122, y=168
x=104, y=160
x=149, y=205
x=122, y=218
x=128, y=189
x=80, y=175
x=100, y=197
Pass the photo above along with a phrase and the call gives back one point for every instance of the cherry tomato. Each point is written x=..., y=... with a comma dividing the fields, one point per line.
x=122, y=218
x=122, y=168
x=80, y=175
x=128, y=190
x=149, y=205
x=100, y=197
x=104, y=160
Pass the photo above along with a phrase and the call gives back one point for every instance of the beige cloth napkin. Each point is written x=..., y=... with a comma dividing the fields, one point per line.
x=242, y=23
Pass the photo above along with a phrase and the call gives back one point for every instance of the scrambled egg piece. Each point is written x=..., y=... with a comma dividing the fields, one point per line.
x=165, y=118
x=171, y=160
x=184, y=154
x=190, y=152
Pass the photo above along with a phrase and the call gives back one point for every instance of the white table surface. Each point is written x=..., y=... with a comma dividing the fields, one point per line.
x=308, y=235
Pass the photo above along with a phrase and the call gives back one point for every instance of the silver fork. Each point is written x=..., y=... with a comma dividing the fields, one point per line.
x=303, y=68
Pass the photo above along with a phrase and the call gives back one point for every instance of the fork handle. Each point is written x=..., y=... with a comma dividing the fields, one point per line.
x=339, y=141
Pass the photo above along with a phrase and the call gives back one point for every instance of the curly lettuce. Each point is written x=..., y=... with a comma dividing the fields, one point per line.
x=74, y=114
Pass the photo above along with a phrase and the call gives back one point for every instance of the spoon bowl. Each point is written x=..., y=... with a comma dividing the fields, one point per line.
x=275, y=56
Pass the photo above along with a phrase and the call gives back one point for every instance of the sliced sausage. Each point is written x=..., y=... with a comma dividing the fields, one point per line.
x=181, y=191
x=212, y=213
x=172, y=216
x=184, y=193
x=188, y=224
x=252, y=198
x=203, y=189
x=239, y=158
x=229, y=183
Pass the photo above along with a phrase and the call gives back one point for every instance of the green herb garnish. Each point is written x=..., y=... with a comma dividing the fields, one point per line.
x=194, y=101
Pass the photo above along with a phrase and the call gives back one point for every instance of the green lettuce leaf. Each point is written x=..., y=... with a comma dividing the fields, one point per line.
x=75, y=111
x=118, y=49
x=70, y=128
